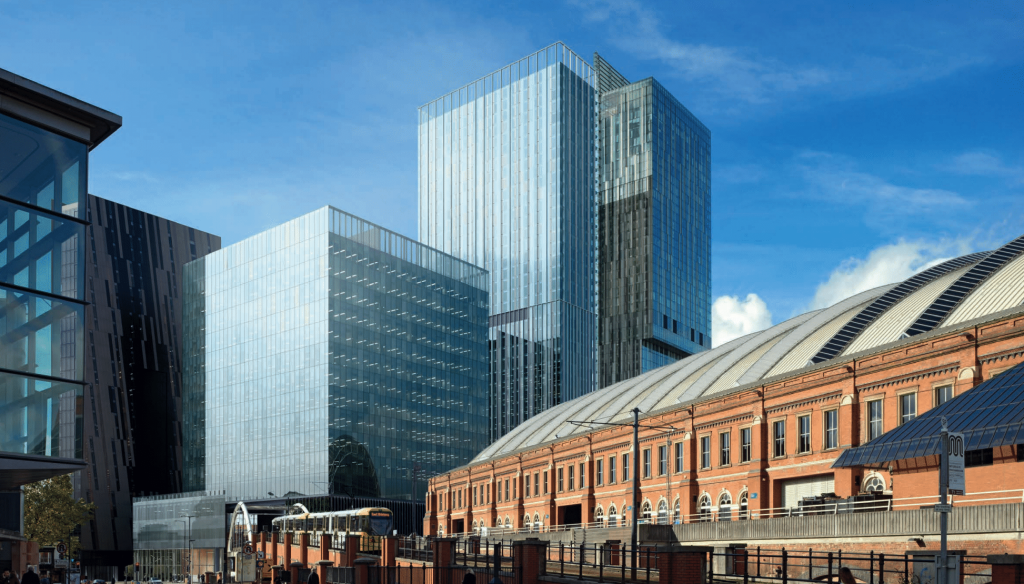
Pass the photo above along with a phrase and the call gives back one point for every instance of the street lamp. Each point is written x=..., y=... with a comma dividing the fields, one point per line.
x=184, y=545
x=188, y=562
x=636, y=471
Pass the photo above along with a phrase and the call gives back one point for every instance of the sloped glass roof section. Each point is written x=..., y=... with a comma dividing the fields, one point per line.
x=989, y=415
x=871, y=312
x=951, y=298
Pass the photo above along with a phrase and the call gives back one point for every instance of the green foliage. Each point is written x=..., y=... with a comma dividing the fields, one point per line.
x=129, y=572
x=52, y=513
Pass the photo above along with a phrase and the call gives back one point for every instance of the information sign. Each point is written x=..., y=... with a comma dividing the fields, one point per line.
x=62, y=548
x=955, y=449
x=247, y=568
x=943, y=508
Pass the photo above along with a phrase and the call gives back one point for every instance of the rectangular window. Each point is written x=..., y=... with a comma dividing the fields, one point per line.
x=536, y=484
x=745, y=445
x=625, y=467
x=981, y=457
x=506, y=490
x=675, y=326
x=599, y=472
x=561, y=485
x=874, y=419
x=662, y=460
x=724, y=443
x=664, y=322
x=803, y=427
x=779, y=438
x=474, y=497
x=515, y=483
x=647, y=463
x=679, y=457
x=943, y=394
x=908, y=407
x=546, y=484
x=831, y=429
x=572, y=478
x=611, y=470
x=705, y=451
x=582, y=473
x=701, y=343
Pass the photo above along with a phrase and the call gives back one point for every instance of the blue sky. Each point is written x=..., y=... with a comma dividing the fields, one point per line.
x=851, y=144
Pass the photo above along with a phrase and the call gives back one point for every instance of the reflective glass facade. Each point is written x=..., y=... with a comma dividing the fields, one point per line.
x=654, y=226
x=161, y=530
x=506, y=172
x=132, y=435
x=42, y=179
x=329, y=355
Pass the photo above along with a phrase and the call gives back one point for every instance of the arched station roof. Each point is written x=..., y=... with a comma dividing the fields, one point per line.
x=945, y=295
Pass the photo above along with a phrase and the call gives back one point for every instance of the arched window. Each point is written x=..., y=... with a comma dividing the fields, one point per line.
x=743, y=506
x=508, y=522
x=725, y=507
x=874, y=483
x=536, y=522
x=663, y=512
x=676, y=512
x=704, y=507
x=526, y=522
x=613, y=517
x=599, y=515
x=476, y=528
x=646, y=511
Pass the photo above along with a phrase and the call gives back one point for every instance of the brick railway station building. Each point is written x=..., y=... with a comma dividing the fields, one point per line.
x=749, y=430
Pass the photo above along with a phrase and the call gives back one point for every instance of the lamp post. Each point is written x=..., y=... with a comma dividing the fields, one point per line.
x=636, y=474
x=188, y=562
x=184, y=545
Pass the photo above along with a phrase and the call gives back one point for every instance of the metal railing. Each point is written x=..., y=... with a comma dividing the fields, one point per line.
x=736, y=513
x=414, y=548
x=604, y=562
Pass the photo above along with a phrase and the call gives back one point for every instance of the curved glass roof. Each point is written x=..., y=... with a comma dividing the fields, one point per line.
x=870, y=319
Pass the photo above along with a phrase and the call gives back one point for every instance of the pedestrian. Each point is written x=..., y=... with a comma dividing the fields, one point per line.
x=45, y=579
x=6, y=577
x=846, y=576
x=469, y=578
x=30, y=577
x=312, y=578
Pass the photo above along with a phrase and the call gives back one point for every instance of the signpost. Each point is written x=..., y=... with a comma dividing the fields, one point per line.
x=951, y=481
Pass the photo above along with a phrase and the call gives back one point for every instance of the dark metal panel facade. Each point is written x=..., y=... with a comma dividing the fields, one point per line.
x=132, y=436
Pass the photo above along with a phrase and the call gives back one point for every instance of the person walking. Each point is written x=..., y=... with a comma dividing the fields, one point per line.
x=30, y=577
x=6, y=577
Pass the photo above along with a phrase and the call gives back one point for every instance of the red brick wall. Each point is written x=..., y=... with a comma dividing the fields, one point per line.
x=964, y=358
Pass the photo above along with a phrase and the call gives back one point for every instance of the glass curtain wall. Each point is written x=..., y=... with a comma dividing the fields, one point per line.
x=506, y=183
x=42, y=179
x=334, y=356
x=654, y=186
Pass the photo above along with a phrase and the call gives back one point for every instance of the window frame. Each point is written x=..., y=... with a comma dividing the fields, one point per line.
x=746, y=450
x=725, y=448
x=936, y=387
x=825, y=431
x=611, y=468
x=800, y=442
x=662, y=460
x=679, y=457
x=705, y=451
x=902, y=415
x=777, y=440
x=599, y=472
x=561, y=479
x=869, y=420
x=572, y=477
x=647, y=463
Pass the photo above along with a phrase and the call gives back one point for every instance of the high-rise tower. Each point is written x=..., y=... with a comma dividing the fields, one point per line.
x=506, y=176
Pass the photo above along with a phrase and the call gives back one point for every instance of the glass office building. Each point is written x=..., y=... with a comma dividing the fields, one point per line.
x=506, y=174
x=45, y=138
x=329, y=355
x=654, y=227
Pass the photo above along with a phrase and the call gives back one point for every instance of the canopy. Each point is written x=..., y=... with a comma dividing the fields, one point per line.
x=989, y=415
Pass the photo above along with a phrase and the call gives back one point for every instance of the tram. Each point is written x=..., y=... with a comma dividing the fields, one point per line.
x=370, y=523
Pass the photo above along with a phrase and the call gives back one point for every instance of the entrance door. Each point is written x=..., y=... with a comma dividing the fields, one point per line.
x=571, y=514
x=459, y=526
x=794, y=490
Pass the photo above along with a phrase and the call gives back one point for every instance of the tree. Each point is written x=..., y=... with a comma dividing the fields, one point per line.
x=52, y=513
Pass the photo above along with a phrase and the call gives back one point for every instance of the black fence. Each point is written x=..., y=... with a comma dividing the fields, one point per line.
x=439, y=575
x=336, y=575
x=415, y=548
x=756, y=564
x=594, y=562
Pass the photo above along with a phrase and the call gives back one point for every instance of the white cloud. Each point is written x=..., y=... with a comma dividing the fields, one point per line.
x=732, y=318
x=885, y=265
x=985, y=164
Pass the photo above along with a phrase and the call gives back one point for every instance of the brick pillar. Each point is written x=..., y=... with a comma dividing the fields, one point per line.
x=444, y=551
x=325, y=548
x=294, y=569
x=304, y=549
x=529, y=559
x=388, y=549
x=683, y=564
x=362, y=570
x=351, y=549
x=1007, y=568
x=287, y=559
x=273, y=549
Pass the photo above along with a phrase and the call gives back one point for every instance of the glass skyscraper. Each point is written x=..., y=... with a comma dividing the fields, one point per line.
x=331, y=356
x=654, y=227
x=582, y=195
x=506, y=175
